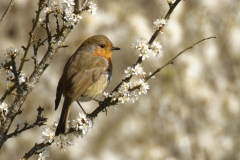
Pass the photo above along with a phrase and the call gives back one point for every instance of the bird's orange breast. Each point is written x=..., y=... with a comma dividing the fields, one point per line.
x=105, y=52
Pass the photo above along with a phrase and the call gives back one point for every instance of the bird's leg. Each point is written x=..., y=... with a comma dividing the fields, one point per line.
x=100, y=103
x=81, y=107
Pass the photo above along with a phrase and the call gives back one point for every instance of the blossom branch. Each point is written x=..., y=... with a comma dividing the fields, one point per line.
x=76, y=127
x=109, y=101
x=26, y=49
x=53, y=47
x=172, y=7
x=167, y=17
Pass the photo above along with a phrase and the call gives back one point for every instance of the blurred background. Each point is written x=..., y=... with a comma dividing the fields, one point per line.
x=192, y=110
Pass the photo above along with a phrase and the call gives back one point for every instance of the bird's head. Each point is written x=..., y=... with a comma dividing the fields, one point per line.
x=101, y=46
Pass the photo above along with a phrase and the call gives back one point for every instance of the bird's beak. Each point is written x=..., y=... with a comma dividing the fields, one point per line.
x=115, y=48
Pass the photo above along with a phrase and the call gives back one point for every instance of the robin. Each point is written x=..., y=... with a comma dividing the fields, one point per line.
x=85, y=76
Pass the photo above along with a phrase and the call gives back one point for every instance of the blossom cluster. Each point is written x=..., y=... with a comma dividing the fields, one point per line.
x=65, y=8
x=143, y=46
x=79, y=127
x=6, y=65
x=127, y=91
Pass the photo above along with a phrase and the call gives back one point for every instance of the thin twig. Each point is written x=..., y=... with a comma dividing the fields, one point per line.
x=47, y=22
x=7, y=92
x=7, y=10
x=172, y=60
x=40, y=120
x=35, y=22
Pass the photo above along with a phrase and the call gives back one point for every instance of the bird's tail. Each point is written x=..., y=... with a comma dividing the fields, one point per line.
x=64, y=117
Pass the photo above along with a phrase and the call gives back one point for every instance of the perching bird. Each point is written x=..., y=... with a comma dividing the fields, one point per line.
x=85, y=76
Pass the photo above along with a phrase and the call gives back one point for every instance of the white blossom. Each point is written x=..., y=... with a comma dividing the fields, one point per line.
x=128, y=71
x=114, y=96
x=63, y=7
x=124, y=98
x=41, y=21
x=143, y=86
x=71, y=18
x=156, y=49
x=4, y=108
x=22, y=77
x=48, y=10
x=69, y=3
x=64, y=140
x=48, y=134
x=105, y=94
x=84, y=124
x=159, y=23
x=45, y=152
x=124, y=88
x=137, y=70
x=92, y=8
x=143, y=46
x=133, y=96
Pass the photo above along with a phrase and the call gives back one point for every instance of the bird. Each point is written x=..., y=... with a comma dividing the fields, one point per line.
x=85, y=76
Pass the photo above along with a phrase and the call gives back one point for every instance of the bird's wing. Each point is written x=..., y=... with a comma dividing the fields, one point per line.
x=82, y=80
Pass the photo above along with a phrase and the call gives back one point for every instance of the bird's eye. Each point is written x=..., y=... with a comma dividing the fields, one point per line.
x=102, y=45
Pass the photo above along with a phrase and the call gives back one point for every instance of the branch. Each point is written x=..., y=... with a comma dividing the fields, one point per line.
x=35, y=76
x=108, y=101
x=7, y=10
